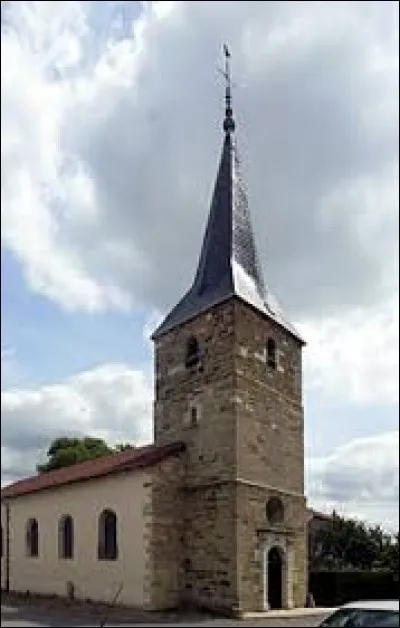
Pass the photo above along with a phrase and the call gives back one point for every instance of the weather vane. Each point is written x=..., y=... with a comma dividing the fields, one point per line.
x=229, y=123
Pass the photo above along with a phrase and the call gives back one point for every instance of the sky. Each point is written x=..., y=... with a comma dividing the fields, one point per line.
x=111, y=130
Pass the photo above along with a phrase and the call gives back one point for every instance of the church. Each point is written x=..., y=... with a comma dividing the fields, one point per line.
x=212, y=514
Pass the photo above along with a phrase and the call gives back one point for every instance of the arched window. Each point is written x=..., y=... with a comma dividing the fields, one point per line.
x=192, y=352
x=271, y=353
x=32, y=538
x=275, y=510
x=108, y=547
x=66, y=537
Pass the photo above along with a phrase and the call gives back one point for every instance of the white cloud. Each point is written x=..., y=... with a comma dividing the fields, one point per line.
x=109, y=149
x=355, y=357
x=111, y=401
x=98, y=168
x=114, y=402
x=41, y=186
x=11, y=371
x=108, y=160
x=359, y=479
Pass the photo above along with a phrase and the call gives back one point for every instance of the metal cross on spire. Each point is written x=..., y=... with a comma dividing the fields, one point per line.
x=229, y=123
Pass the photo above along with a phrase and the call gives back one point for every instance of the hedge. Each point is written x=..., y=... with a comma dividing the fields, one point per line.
x=332, y=588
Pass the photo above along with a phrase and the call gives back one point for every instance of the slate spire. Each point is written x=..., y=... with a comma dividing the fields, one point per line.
x=228, y=265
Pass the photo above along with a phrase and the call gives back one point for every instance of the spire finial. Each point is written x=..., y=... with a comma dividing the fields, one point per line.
x=229, y=123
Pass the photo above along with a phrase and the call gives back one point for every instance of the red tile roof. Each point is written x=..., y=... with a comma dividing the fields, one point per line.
x=128, y=460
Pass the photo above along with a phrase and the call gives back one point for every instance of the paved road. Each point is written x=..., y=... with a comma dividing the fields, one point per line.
x=32, y=616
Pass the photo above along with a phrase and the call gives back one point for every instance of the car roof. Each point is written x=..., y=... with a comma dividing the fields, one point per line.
x=376, y=605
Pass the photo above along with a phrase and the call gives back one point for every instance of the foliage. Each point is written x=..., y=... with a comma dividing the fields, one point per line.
x=64, y=451
x=349, y=544
x=333, y=588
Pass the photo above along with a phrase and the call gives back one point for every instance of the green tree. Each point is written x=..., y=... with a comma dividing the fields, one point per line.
x=347, y=543
x=390, y=554
x=65, y=451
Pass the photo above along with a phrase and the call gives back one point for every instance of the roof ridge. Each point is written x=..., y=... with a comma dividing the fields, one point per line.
x=113, y=462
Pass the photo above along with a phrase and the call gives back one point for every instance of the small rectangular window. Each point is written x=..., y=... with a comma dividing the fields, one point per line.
x=193, y=415
x=271, y=354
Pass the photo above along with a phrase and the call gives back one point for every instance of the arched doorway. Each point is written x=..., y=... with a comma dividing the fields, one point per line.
x=275, y=573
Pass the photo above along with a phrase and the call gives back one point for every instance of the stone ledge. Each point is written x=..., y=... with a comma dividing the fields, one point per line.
x=294, y=612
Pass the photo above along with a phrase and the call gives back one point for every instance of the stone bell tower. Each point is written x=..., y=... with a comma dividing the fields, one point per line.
x=228, y=384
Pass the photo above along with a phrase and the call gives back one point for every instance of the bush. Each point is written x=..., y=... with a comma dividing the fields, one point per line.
x=333, y=588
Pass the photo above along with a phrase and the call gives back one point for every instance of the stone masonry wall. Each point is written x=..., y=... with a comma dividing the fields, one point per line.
x=248, y=433
x=255, y=533
x=210, y=386
x=163, y=514
x=209, y=497
x=210, y=546
x=270, y=456
x=269, y=404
